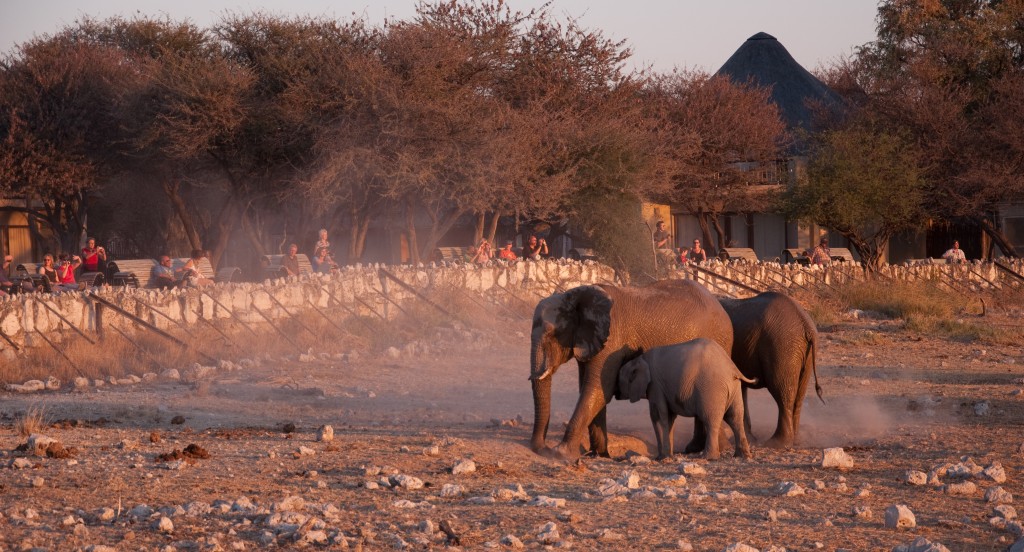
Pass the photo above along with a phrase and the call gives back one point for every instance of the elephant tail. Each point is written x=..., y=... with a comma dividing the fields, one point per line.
x=810, y=357
x=744, y=379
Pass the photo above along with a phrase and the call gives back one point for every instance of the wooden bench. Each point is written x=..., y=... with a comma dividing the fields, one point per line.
x=744, y=254
x=272, y=265
x=841, y=254
x=132, y=272
x=450, y=254
x=795, y=255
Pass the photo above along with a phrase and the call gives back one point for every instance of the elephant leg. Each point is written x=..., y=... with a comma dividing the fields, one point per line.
x=735, y=421
x=746, y=413
x=785, y=398
x=598, y=431
x=713, y=427
x=696, y=443
x=591, y=402
x=663, y=421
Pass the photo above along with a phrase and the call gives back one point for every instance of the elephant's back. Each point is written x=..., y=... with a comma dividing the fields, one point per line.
x=673, y=311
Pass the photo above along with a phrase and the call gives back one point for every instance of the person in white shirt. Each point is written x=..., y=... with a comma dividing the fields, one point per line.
x=955, y=254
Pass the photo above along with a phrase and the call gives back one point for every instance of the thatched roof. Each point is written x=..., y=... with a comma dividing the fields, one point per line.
x=765, y=60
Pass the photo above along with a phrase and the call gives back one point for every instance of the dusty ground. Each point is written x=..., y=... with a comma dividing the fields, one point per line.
x=896, y=402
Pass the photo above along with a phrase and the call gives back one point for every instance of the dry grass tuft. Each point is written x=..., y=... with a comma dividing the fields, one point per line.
x=901, y=299
x=32, y=421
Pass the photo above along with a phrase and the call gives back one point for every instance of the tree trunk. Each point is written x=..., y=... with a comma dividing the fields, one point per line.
x=226, y=220
x=172, y=189
x=252, y=234
x=410, y=227
x=478, y=229
x=705, y=230
x=492, y=229
x=438, y=230
x=364, y=227
x=997, y=235
x=719, y=231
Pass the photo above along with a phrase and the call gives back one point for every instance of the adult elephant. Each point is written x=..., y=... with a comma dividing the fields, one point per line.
x=775, y=341
x=602, y=327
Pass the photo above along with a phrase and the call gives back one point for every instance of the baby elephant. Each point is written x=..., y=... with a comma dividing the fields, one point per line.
x=694, y=379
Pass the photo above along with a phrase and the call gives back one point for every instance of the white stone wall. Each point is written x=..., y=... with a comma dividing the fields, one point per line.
x=360, y=289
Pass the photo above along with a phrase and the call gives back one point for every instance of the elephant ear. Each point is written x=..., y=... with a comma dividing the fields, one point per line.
x=585, y=320
x=639, y=378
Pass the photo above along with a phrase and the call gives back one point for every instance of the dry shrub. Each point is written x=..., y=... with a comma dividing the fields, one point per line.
x=32, y=421
x=901, y=299
x=963, y=330
x=823, y=308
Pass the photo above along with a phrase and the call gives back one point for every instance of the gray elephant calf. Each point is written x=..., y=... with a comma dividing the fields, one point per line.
x=694, y=379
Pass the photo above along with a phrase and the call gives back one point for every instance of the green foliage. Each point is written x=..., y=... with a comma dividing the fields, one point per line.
x=865, y=183
x=612, y=219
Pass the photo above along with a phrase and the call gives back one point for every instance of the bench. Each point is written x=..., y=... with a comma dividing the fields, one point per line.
x=583, y=254
x=272, y=265
x=744, y=254
x=795, y=255
x=841, y=254
x=132, y=272
x=449, y=254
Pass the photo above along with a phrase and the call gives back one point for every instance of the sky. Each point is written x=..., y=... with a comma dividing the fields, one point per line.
x=663, y=34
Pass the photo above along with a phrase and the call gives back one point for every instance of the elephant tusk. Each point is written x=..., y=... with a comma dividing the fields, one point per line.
x=534, y=377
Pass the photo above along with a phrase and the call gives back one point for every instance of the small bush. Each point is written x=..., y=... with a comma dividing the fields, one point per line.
x=901, y=300
x=32, y=421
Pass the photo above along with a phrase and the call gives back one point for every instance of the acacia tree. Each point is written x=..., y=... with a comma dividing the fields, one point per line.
x=57, y=99
x=715, y=136
x=864, y=182
x=948, y=71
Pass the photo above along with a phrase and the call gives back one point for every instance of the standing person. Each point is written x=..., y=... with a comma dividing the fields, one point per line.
x=955, y=255
x=822, y=255
x=535, y=248
x=290, y=262
x=94, y=258
x=697, y=254
x=322, y=260
x=660, y=236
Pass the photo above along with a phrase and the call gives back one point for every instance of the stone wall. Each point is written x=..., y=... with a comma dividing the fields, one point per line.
x=25, y=319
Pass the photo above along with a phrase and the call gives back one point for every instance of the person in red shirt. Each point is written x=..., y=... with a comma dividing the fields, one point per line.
x=94, y=259
x=506, y=252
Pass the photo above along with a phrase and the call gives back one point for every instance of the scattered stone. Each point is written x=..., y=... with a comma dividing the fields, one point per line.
x=21, y=464
x=548, y=533
x=38, y=482
x=677, y=479
x=548, y=502
x=836, y=458
x=80, y=383
x=921, y=544
x=511, y=541
x=30, y=386
x=995, y=472
x=862, y=512
x=325, y=434
x=289, y=504
x=463, y=467
x=164, y=525
x=38, y=444
x=607, y=535
x=450, y=490
x=1005, y=511
x=178, y=420
x=692, y=468
x=914, y=477
x=141, y=511
x=629, y=479
x=609, y=487
x=512, y=492
x=819, y=485
x=982, y=408
x=170, y=375
x=899, y=516
x=432, y=450
x=965, y=488
x=740, y=547
x=288, y=428
x=481, y=500
x=998, y=495
x=105, y=514
x=304, y=451
x=789, y=488
x=406, y=482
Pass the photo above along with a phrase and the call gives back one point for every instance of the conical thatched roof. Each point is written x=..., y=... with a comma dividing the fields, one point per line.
x=765, y=60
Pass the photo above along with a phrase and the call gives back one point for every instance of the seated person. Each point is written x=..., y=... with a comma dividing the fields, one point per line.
x=8, y=286
x=290, y=262
x=535, y=249
x=506, y=253
x=190, y=274
x=483, y=252
x=65, y=273
x=683, y=257
x=162, y=275
x=94, y=259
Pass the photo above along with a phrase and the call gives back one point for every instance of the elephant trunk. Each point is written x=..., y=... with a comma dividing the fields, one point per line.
x=541, y=413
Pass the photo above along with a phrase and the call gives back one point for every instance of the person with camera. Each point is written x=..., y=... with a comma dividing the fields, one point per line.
x=94, y=258
x=535, y=248
x=8, y=286
x=66, y=272
x=483, y=252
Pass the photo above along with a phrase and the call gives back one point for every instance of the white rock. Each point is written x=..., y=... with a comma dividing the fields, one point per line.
x=105, y=514
x=914, y=477
x=836, y=458
x=21, y=464
x=511, y=541
x=789, y=488
x=463, y=467
x=450, y=490
x=305, y=451
x=548, y=533
x=548, y=502
x=921, y=544
x=325, y=433
x=692, y=468
x=609, y=487
x=629, y=479
x=1005, y=511
x=995, y=472
x=512, y=492
x=899, y=516
x=998, y=495
x=406, y=482
x=607, y=535
x=30, y=386
x=289, y=504
x=965, y=488
x=38, y=443
x=170, y=375
x=862, y=512
x=740, y=547
x=677, y=479
x=982, y=408
x=165, y=525
x=80, y=383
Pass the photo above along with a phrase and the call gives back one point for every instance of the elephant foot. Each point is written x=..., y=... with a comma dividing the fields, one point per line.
x=744, y=454
x=559, y=453
x=777, y=442
x=597, y=454
x=694, y=447
x=707, y=455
